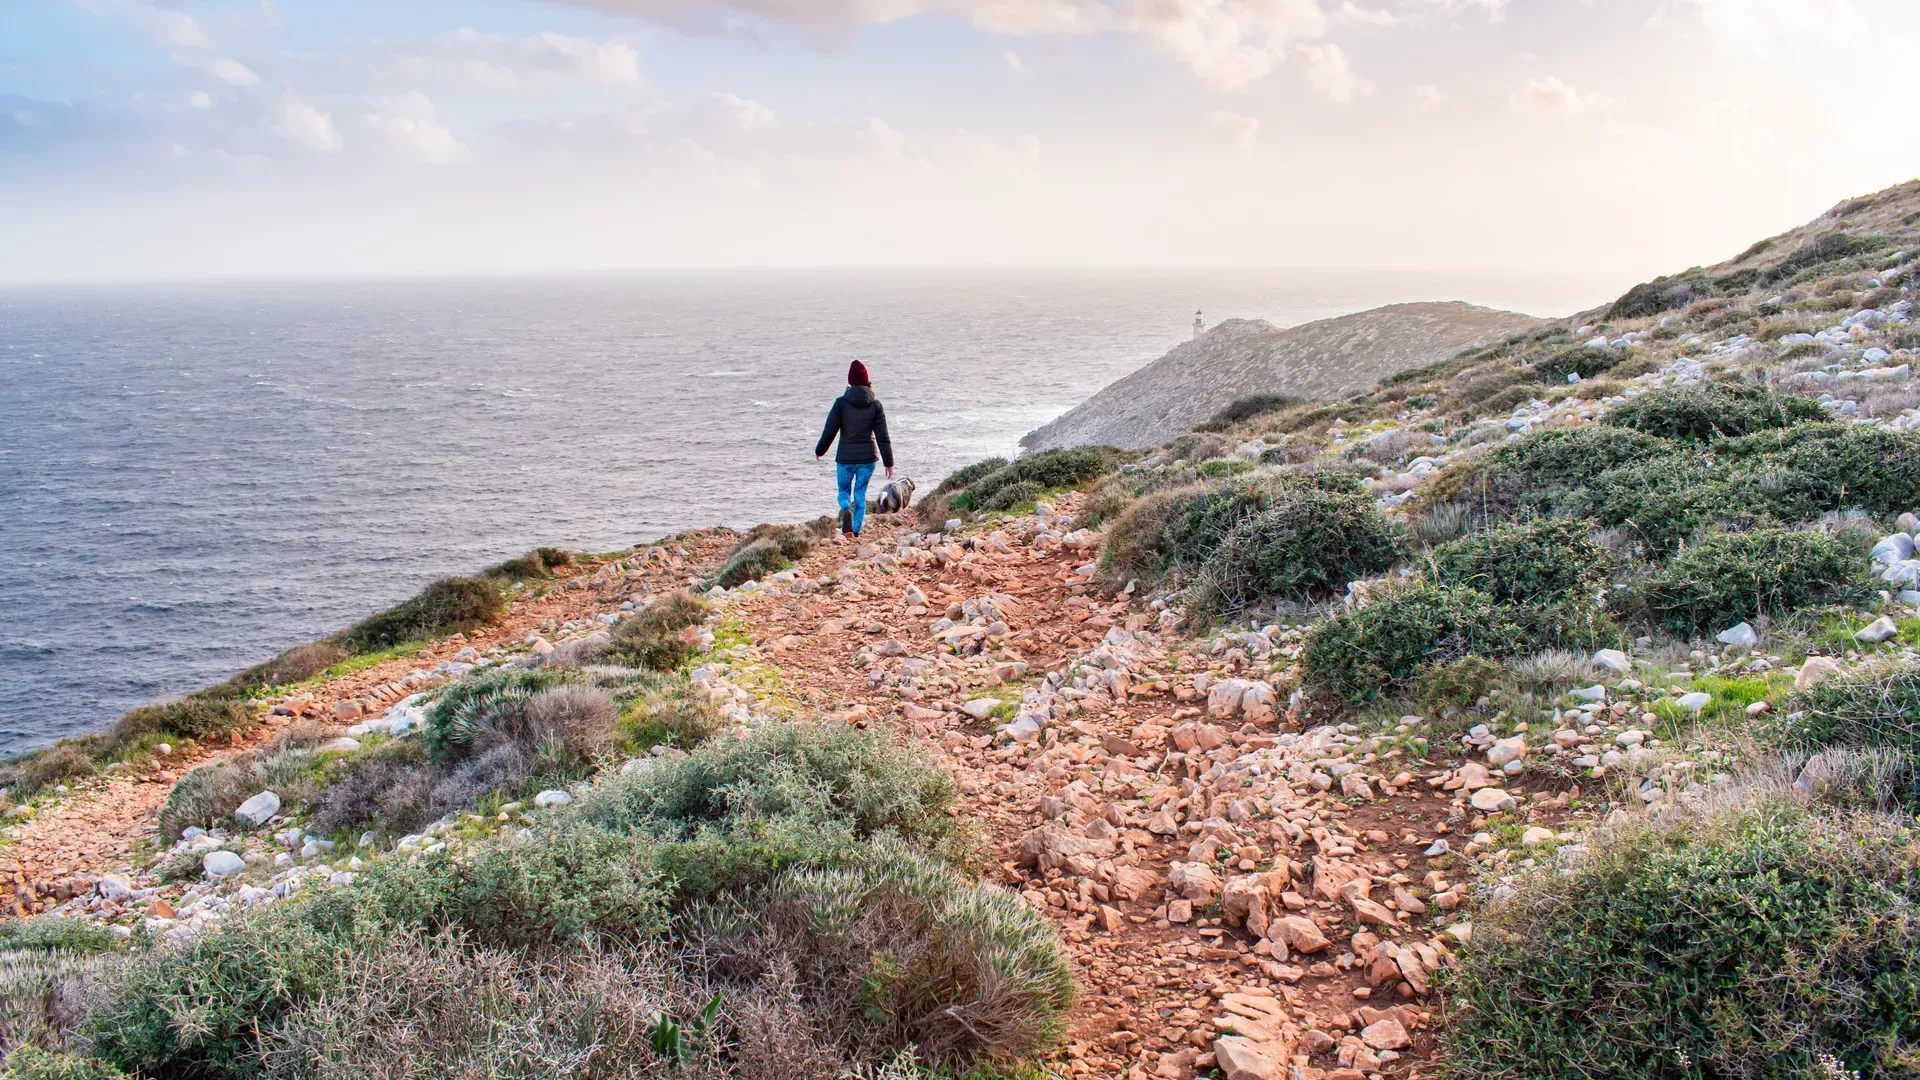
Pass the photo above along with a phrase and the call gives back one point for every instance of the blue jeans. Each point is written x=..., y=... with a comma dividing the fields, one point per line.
x=853, y=490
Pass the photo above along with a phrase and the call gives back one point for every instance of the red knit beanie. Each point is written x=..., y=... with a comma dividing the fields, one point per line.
x=857, y=375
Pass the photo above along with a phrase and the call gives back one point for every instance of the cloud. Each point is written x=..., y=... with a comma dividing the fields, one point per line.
x=1012, y=16
x=1235, y=130
x=1330, y=72
x=170, y=27
x=1428, y=98
x=1013, y=61
x=500, y=62
x=1494, y=10
x=410, y=125
x=1551, y=95
x=1764, y=28
x=1229, y=44
x=305, y=126
x=227, y=70
x=1352, y=14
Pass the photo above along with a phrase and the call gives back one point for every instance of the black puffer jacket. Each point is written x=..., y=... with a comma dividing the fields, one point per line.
x=860, y=421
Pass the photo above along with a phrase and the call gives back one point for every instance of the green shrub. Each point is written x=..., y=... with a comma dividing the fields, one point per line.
x=1574, y=360
x=1728, y=578
x=298, y=664
x=737, y=811
x=1045, y=470
x=1840, y=466
x=1543, y=560
x=1536, y=471
x=962, y=972
x=765, y=550
x=1869, y=709
x=1660, y=294
x=1242, y=409
x=538, y=563
x=1834, y=247
x=1753, y=947
x=666, y=709
x=656, y=638
x=482, y=705
x=1361, y=653
x=33, y=1063
x=1458, y=684
x=554, y=887
x=28, y=775
x=197, y=716
x=964, y=477
x=450, y=605
x=1710, y=411
x=1137, y=544
x=207, y=796
x=48, y=933
x=1303, y=544
x=1012, y=495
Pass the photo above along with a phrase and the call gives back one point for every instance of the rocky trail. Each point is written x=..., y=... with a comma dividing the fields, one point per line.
x=1235, y=892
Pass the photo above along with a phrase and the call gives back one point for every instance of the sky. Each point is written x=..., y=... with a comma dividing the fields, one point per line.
x=162, y=139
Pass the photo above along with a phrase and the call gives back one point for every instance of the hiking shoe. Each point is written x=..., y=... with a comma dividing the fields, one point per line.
x=846, y=522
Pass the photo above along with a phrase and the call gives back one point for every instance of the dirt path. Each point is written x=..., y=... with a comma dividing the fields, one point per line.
x=1156, y=992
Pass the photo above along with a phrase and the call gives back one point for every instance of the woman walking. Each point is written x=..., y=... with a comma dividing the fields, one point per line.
x=860, y=422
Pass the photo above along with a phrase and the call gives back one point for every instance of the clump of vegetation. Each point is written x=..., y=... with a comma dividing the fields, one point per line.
x=1013, y=495
x=1456, y=684
x=1361, y=653
x=657, y=637
x=296, y=665
x=1711, y=411
x=766, y=549
x=535, y=564
x=1824, y=255
x=28, y=775
x=1867, y=709
x=1304, y=544
x=1242, y=409
x=486, y=707
x=1766, y=944
x=1660, y=294
x=1728, y=578
x=450, y=605
x=974, y=487
x=1540, y=561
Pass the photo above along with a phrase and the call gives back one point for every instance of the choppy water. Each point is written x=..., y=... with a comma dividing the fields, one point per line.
x=195, y=477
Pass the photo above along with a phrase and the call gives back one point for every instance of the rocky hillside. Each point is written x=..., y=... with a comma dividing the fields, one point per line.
x=1240, y=357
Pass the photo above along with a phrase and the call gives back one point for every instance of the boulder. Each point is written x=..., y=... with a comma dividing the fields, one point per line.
x=1240, y=1058
x=1506, y=750
x=1386, y=1035
x=258, y=810
x=1299, y=934
x=1879, y=630
x=552, y=797
x=1612, y=660
x=1492, y=799
x=220, y=864
x=1195, y=881
x=1739, y=635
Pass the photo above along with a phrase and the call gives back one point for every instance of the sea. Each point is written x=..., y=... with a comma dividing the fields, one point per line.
x=196, y=476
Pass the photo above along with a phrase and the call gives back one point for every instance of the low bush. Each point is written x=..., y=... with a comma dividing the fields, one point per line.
x=1768, y=944
x=30, y=774
x=1362, y=653
x=1711, y=411
x=33, y=1063
x=1137, y=544
x=1045, y=470
x=1457, y=684
x=964, y=477
x=1535, y=561
x=1835, y=466
x=657, y=637
x=207, y=796
x=1834, y=247
x=450, y=605
x=52, y=933
x=1661, y=294
x=1012, y=495
x=391, y=789
x=1868, y=709
x=298, y=664
x=198, y=716
x=481, y=709
x=666, y=709
x=766, y=549
x=961, y=972
x=1302, y=545
x=1575, y=360
x=1728, y=578
x=1242, y=409
x=538, y=563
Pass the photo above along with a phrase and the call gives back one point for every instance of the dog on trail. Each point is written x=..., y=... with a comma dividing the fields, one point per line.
x=895, y=497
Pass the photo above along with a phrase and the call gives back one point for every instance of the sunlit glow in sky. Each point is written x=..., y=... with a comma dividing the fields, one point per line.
x=146, y=139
